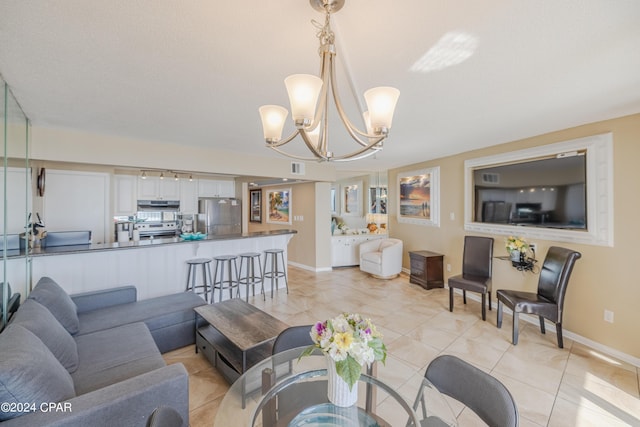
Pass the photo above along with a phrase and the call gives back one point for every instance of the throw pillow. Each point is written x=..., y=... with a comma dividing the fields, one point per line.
x=36, y=318
x=51, y=295
x=29, y=373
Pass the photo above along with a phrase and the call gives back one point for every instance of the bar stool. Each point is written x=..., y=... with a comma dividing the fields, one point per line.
x=225, y=262
x=250, y=278
x=271, y=258
x=192, y=272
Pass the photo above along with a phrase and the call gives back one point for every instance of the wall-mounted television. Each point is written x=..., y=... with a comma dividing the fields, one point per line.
x=545, y=192
x=558, y=192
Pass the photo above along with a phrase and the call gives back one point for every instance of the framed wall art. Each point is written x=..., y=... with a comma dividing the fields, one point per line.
x=255, y=212
x=352, y=199
x=419, y=197
x=378, y=200
x=279, y=206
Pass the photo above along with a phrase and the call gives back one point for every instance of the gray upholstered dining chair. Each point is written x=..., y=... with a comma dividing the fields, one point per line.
x=477, y=262
x=292, y=337
x=548, y=301
x=476, y=389
x=165, y=416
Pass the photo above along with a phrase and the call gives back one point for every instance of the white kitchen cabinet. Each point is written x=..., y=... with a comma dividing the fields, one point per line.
x=216, y=188
x=124, y=195
x=154, y=188
x=18, y=179
x=189, y=196
x=75, y=201
x=345, y=249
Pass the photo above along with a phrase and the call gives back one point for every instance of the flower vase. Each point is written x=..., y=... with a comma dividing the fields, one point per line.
x=338, y=390
x=515, y=256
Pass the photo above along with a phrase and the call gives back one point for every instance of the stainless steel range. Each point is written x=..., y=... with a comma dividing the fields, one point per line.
x=157, y=218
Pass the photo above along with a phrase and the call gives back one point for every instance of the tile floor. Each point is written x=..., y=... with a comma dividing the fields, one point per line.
x=574, y=386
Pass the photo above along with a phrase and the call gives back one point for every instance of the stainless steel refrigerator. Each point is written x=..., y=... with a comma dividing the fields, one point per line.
x=219, y=216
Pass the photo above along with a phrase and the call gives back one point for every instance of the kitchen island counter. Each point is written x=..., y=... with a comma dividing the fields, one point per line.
x=145, y=243
x=155, y=267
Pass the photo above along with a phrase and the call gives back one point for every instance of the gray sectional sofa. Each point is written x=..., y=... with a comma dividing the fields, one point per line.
x=94, y=359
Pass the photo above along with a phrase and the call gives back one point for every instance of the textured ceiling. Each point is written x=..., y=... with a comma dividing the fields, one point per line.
x=195, y=72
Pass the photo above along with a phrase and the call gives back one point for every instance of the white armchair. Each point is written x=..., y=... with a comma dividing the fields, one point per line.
x=381, y=258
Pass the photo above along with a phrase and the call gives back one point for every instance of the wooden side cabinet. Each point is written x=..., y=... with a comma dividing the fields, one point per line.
x=426, y=269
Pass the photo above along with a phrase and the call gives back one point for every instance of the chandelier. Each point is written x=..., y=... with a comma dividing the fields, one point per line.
x=311, y=117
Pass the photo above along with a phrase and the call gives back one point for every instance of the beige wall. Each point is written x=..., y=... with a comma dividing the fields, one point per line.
x=604, y=278
x=310, y=246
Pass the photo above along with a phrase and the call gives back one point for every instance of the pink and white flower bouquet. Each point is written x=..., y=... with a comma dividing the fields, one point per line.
x=350, y=341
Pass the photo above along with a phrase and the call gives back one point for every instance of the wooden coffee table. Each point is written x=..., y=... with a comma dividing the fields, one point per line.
x=238, y=335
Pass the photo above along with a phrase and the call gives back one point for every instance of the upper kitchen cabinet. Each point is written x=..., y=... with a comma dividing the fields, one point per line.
x=154, y=188
x=216, y=188
x=189, y=196
x=125, y=200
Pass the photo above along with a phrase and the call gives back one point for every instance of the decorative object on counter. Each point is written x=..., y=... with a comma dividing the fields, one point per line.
x=372, y=227
x=343, y=227
x=349, y=341
x=34, y=233
x=304, y=91
x=193, y=236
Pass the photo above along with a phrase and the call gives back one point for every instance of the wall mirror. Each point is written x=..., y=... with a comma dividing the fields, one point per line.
x=15, y=203
x=561, y=191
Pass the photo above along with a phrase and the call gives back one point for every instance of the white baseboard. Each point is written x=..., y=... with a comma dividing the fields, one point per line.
x=309, y=268
x=566, y=333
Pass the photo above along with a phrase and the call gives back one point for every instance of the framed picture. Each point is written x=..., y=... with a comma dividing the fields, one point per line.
x=255, y=213
x=378, y=200
x=279, y=206
x=352, y=199
x=419, y=197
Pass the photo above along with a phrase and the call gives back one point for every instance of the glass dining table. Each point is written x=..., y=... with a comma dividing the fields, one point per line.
x=285, y=390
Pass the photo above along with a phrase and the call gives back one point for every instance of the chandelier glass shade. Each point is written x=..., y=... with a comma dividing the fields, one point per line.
x=309, y=100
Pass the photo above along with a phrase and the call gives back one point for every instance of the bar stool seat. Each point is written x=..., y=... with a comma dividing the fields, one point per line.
x=250, y=279
x=192, y=272
x=224, y=263
x=274, y=273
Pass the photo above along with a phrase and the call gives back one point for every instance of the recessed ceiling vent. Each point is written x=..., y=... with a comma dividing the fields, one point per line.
x=297, y=168
x=491, y=178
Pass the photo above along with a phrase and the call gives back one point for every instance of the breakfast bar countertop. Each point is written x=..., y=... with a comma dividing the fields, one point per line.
x=146, y=243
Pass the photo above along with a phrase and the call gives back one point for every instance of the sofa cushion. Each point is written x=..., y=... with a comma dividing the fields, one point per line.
x=113, y=355
x=156, y=312
x=37, y=319
x=29, y=372
x=51, y=295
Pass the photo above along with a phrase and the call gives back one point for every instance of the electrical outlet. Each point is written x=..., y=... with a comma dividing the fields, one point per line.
x=533, y=246
x=449, y=267
x=608, y=316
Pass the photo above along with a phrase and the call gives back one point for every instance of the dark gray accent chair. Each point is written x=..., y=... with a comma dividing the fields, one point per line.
x=479, y=391
x=548, y=301
x=477, y=263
